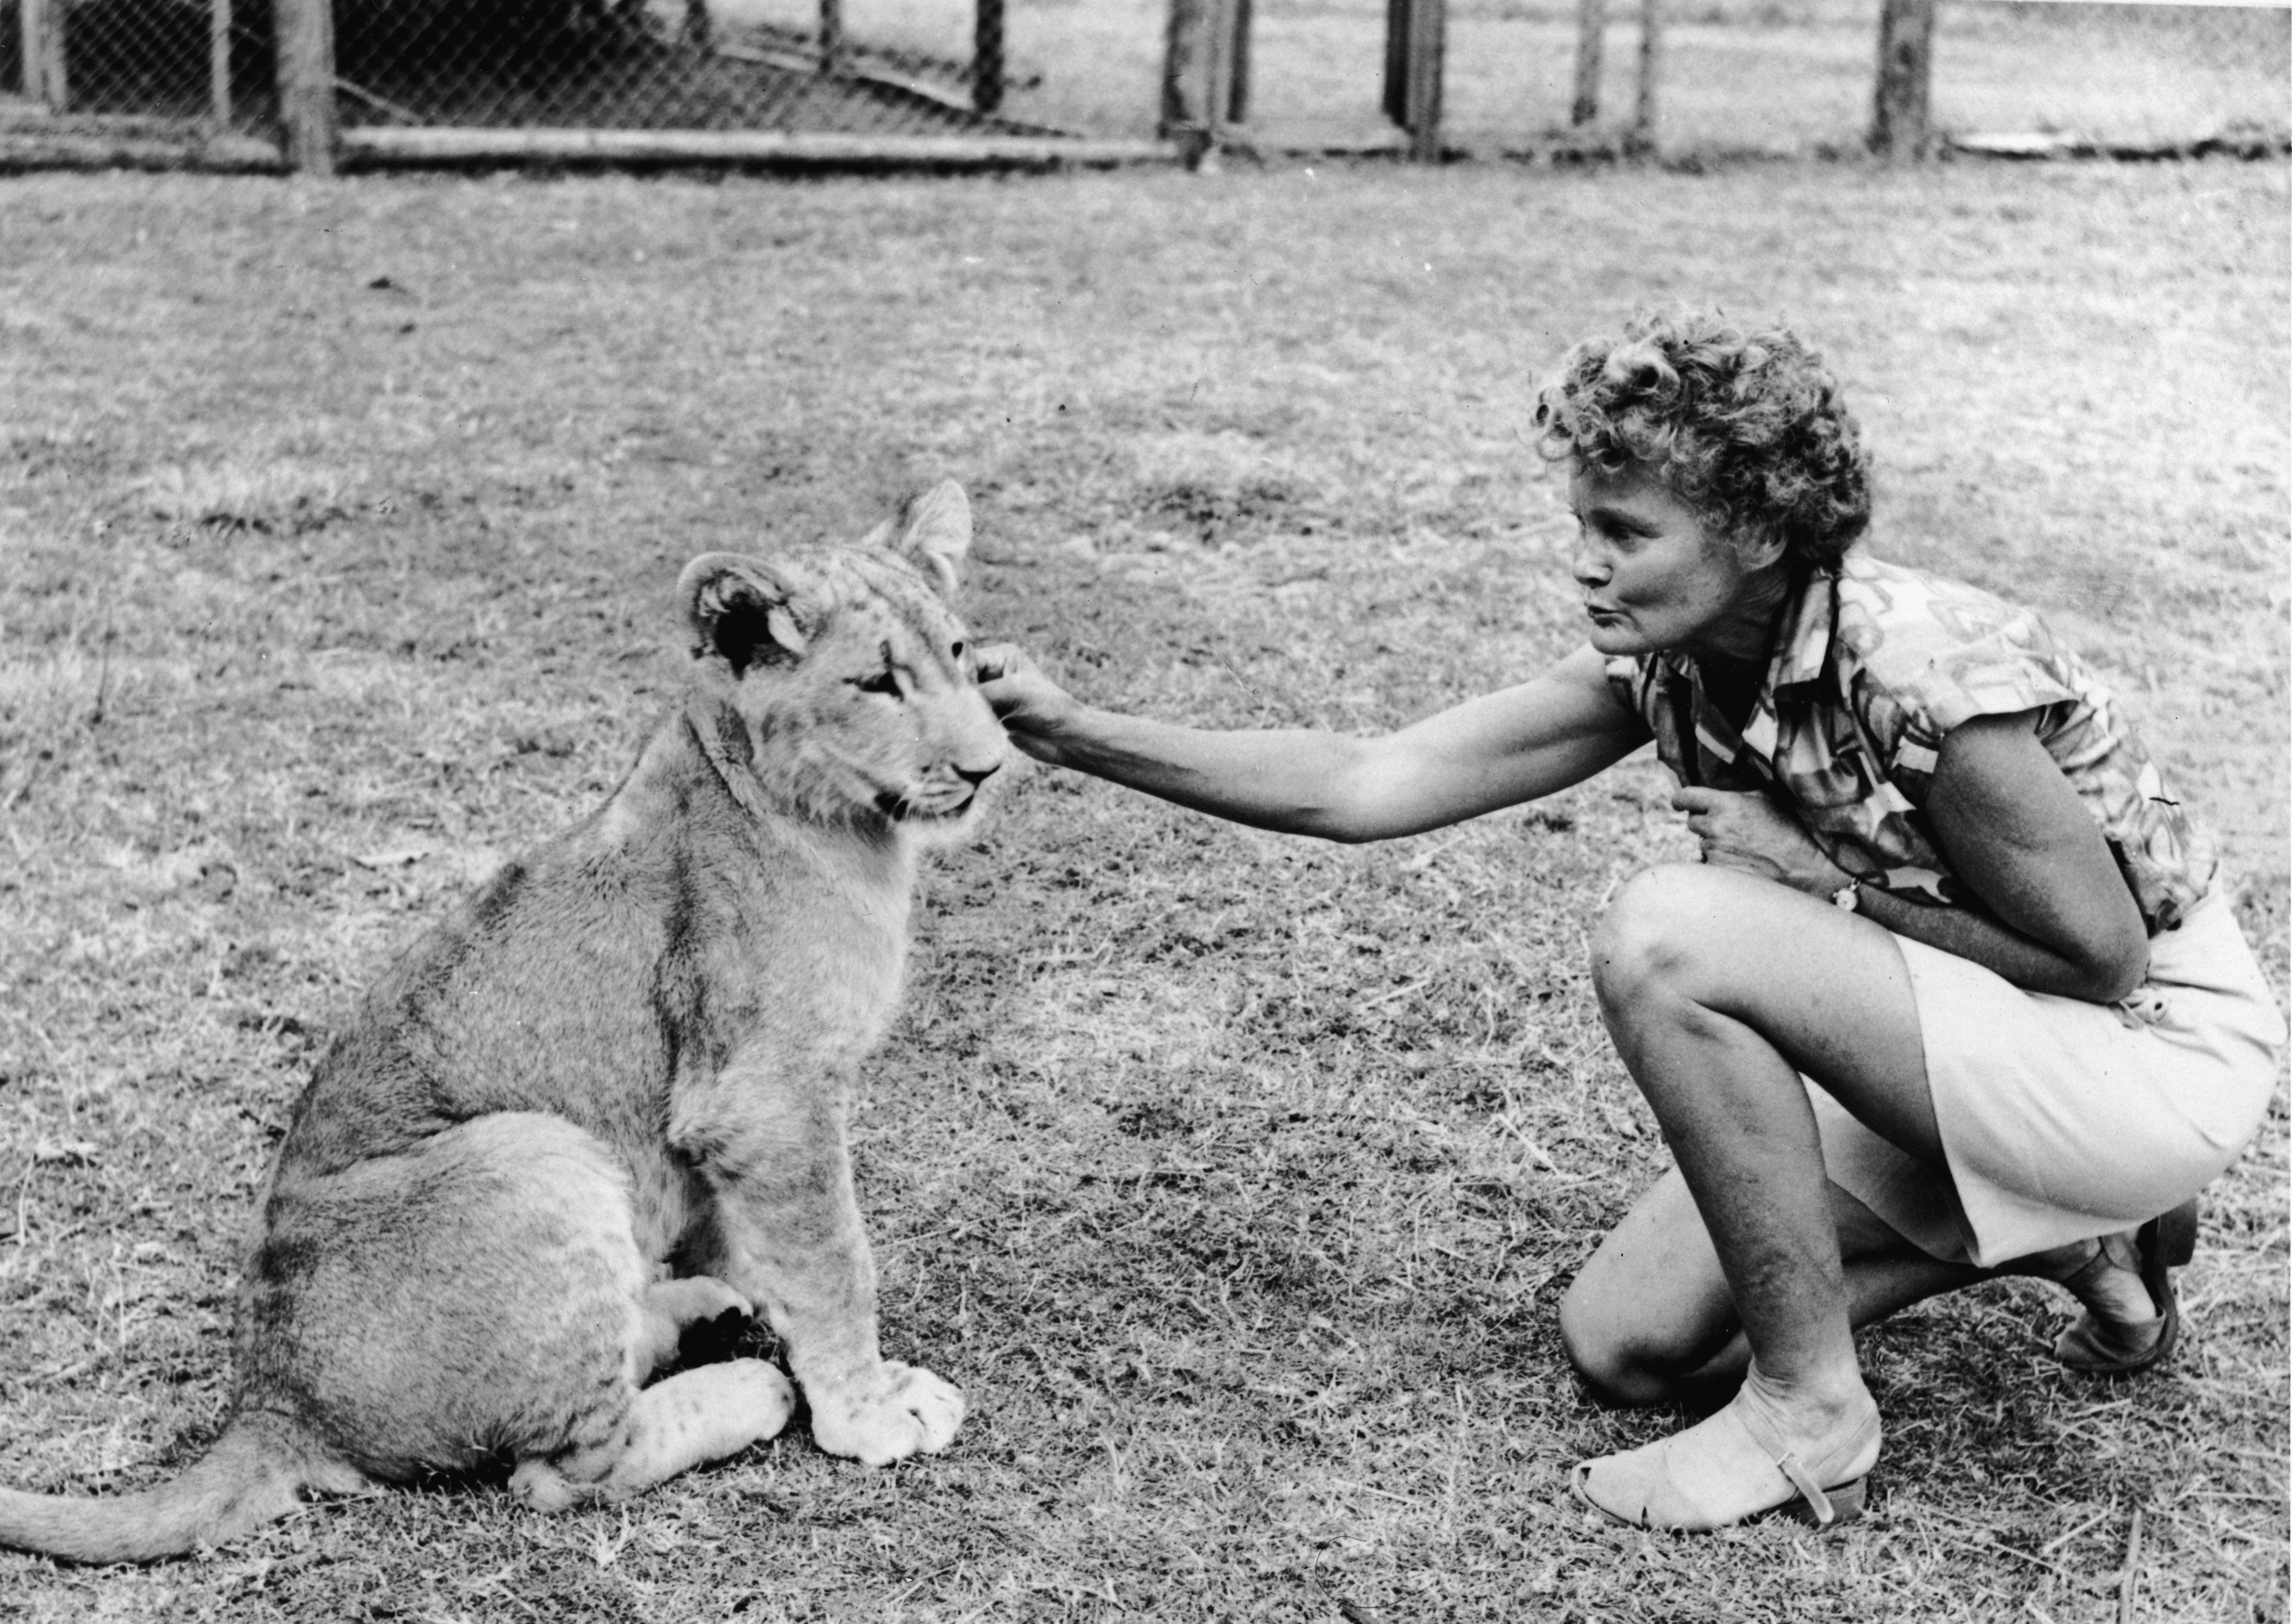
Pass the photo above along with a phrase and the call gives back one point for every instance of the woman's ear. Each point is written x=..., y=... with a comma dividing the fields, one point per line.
x=1759, y=546
x=741, y=614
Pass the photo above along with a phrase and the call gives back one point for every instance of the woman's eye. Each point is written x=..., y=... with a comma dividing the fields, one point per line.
x=882, y=682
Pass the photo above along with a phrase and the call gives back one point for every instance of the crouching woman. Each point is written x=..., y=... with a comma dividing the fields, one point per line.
x=1953, y=991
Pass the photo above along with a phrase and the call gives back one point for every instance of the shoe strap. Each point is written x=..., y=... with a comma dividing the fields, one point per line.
x=1788, y=1464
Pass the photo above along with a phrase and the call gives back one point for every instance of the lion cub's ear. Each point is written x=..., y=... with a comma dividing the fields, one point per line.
x=935, y=531
x=741, y=612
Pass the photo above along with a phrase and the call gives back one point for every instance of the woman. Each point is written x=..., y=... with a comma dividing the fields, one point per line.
x=1952, y=993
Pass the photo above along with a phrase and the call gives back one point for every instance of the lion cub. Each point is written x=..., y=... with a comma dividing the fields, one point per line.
x=607, y=1097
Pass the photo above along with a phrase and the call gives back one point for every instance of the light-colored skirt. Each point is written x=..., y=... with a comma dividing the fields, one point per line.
x=2062, y=1118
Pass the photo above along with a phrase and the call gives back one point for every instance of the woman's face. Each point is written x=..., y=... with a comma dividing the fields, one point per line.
x=1654, y=576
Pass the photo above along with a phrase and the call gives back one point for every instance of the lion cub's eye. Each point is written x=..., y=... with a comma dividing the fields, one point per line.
x=882, y=682
x=955, y=653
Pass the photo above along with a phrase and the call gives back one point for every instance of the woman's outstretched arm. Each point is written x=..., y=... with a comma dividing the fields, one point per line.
x=1496, y=751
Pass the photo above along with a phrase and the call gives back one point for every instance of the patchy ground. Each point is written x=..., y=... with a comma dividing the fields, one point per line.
x=1234, y=1178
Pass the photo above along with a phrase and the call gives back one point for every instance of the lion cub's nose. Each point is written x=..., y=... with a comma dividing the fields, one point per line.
x=976, y=775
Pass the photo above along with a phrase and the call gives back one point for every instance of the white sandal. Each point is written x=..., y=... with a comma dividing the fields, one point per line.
x=1729, y=1468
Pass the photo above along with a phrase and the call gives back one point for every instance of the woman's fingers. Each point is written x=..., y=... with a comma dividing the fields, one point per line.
x=996, y=660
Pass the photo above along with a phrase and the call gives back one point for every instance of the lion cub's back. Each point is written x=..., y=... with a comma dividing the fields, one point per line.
x=540, y=992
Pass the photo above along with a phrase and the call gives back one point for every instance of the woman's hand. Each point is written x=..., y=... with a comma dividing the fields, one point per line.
x=1031, y=706
x=1749, y=833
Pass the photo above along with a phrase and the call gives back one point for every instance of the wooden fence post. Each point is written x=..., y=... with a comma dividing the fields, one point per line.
x=1396, y=62
x=1643, y=116
x=1900, y=111
x=1591, y=42
x=831, y=36
x=1184, y=44
x=41, y=33
x=1239, y=16
x=219, y=62
x=306, y=82
x=28, y=43
x=1415, y=46
x=987, y=56
x=1204, y=73
x=1428, y=59
x=27, y=47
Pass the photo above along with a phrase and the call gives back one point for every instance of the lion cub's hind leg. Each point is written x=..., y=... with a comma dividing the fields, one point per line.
x=480, y=1297
x=675, y=1425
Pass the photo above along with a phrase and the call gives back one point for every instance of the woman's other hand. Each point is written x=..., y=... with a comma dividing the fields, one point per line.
x=1749, y=833
x=1030, y=706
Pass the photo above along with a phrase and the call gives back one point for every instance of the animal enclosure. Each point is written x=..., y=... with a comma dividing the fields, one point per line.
x=1053, y=77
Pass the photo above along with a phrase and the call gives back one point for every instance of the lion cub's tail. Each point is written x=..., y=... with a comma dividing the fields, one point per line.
x=255, y=1473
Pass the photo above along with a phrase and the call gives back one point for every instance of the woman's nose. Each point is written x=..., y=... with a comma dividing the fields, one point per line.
x=1588, y=563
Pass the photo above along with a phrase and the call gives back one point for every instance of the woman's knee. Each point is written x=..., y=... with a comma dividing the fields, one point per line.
x=1659, y=928
x=1607, y=1352
x=1651, y=1304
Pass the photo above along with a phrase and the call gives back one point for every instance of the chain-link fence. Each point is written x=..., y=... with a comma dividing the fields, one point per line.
x=1779, y=75
x=209, y=61
x=930, y=66
x=933, y=67
x=1791, y=75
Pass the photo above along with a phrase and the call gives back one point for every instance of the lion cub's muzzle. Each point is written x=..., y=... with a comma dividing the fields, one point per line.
x=950, y=794
x=972, y=750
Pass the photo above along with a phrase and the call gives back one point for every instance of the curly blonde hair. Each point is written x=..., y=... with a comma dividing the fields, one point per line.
x=1749, y=427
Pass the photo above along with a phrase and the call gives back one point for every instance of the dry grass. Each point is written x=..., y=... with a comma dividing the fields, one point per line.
x=1234, y=1178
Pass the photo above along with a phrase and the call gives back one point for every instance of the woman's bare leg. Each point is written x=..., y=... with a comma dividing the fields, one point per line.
x=1719, y=990
x=1649, y=1320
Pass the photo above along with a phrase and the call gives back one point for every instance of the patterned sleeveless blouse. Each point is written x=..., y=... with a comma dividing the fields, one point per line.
x=1875, y=665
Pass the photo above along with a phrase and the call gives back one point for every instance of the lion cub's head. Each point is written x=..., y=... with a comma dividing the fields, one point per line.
x=836, y=682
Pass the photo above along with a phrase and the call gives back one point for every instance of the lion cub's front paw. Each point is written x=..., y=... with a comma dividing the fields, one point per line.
x=900, y=1411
